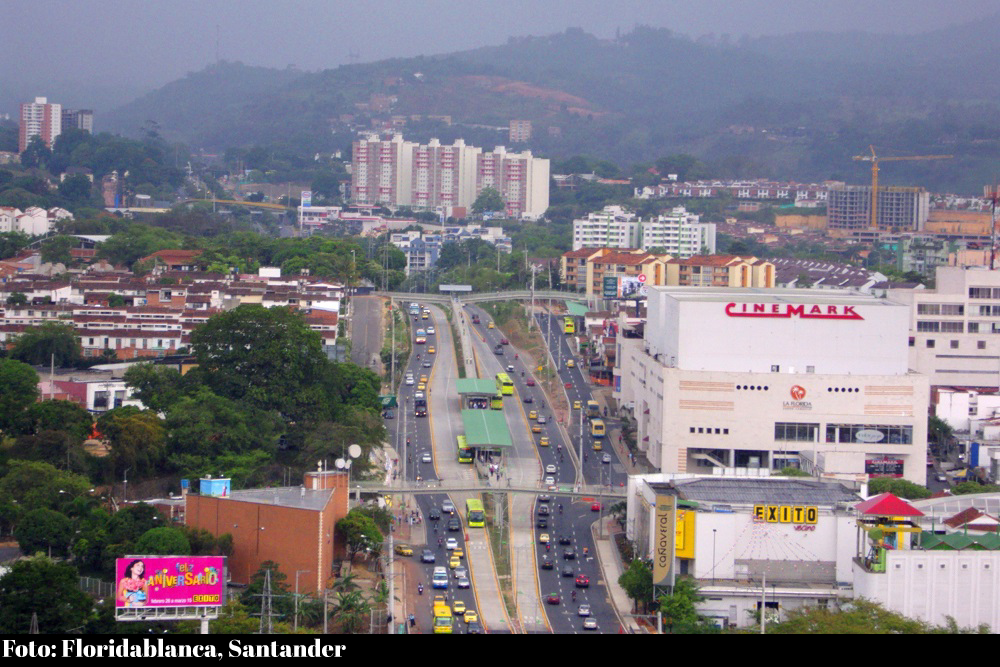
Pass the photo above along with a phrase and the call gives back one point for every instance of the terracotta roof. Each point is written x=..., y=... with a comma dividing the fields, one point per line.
x=707, y=260
x=625, y=258
x=581, y=253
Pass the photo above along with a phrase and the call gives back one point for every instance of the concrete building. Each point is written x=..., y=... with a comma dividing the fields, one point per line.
x=612, y=227
x=442, y=175
x=952, y=327
x=520, y=131
x=736, y=379
x=382, y=171
x=80, y=119
x=39, y=119
x=678, y=233
x=719, y=271
x=900, y=209
x=521, y=179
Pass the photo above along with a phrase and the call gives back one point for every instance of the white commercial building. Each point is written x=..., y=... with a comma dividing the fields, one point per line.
x=736, y=379
x=953, y=327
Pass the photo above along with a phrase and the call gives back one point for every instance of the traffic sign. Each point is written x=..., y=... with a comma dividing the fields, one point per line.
x=642, y=277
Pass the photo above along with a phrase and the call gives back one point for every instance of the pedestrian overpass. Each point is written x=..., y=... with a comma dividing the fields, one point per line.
x=481, y=297
x=587, y=492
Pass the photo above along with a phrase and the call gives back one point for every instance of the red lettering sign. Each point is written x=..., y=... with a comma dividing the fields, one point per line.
x=788, y=310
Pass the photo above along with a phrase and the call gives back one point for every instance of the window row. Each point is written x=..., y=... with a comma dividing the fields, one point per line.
x=941, y=309
x=708, y=430
x=848, y=433
x=984, y=292
x=943, y=327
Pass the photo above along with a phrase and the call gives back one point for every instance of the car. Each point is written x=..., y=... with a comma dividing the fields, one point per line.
x=547, y=563
x=419, y=396
x=544, y=498
x=388, y=414
x=461, y=572
x=453, y=562
x=598, y=446
x=567, y=571
x=475, y=319
x=490, y=325
x=590, y=623
x=530, y=382
x=423, y=379
x=454, y=525
x=498, y=350
x=941, y=477
x=504, y=341
x=422, y=386
x=510, y=368
x=542, y=523
x=439, y=600
x=606, y=458
x=565, y=539
x=470, y=616
x=568, y=385
x=533, y=415
x=542, y=419
x=430, y=331
x=410, y=381
x=426, y=458
x=421, y=340
x=550, y=468
x=543, y=538
x=543, y=510
x=577, y=405
x=595, y=506
x=543, y=441
x=550, y=480
x=458, y=607
x=451, y=543
x=427, y=556
x=463, y=582
x=447, y=507
x=475, y=628
x=583, y=610
x=529, y=399
x=570, y=363
x=431, y=350
x=552, y=598
x=582, y=581
x=569, y=553
x=458, y=553
x=536, y=429
x=434, y=515
x=403, y=550
x=427, y=363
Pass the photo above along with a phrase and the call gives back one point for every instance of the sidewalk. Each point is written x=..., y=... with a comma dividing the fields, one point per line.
x=611, y=568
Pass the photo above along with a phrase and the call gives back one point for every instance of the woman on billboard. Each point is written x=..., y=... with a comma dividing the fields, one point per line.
x=133, y=587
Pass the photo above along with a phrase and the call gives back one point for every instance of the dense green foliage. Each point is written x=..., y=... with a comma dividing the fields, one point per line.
x=858, y=617
x=898, y=487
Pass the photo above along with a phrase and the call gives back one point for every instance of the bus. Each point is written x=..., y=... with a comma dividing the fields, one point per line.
x=464, y=451
x=414, y=309
x=593, y=410
x=474, y=513
x=505, y=385
x=496, y=403
x=568, y=325
x=597, y=428
x=443, y=619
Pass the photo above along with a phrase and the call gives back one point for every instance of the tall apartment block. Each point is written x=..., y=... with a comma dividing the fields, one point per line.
x=80, y=119
x=900, y=209
x=520, y=131
x=677, y=233
x=39, y=119
x=382, y=171
x=521, y=179
x=438, y=173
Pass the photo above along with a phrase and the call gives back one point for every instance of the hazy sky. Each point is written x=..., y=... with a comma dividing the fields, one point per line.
x=142, y=44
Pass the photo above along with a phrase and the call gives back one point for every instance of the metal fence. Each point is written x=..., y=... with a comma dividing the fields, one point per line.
x=96, y=587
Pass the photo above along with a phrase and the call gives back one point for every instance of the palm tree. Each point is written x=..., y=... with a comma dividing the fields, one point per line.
x=350, y=610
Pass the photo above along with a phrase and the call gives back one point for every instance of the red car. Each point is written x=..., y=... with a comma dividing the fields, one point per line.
x=504, y=341
x=582, y=581
x=530, y=382
x=552, y=598
x=595, y=507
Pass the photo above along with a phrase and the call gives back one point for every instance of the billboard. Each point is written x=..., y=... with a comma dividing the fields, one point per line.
x=307, y=197
x=170, y=581
x=664, y=539
x=623, y=287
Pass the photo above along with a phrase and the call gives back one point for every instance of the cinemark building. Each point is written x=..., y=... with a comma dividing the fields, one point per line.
x=726, y=380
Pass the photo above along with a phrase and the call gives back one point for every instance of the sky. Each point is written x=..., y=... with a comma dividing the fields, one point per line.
x=119, y=48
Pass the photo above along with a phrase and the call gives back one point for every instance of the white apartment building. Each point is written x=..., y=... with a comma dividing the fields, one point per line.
x=953, y=328
x=521, y=179
x=757, y=378
x=39, y=119
x=382, y=171
x=442, y=175
x=679, y=233
x=613, y=227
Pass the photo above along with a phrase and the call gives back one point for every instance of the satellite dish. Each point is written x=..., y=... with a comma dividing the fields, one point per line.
x=354, y=451
x=339, y=463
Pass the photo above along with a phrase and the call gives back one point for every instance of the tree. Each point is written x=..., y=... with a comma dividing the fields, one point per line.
x=679, y=608
x=282, y=603
x=489, y=199
x=898, y=487
x=41, y=344
x=157, y=387
x=35, y=485
x=50, y=590
x=20, y=390
x=17, y=299
x=205, y=424
x=858, y=616
x=637, y=581
x=163, y=541
x=137, y=438
x=36, y=154
x=46, y=531
x=359, y=532
x=76, y=188
x=57, y=415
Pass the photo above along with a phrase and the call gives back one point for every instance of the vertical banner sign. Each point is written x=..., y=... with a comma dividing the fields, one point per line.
x=307, y=196
x=610, y=287
x=664, y=539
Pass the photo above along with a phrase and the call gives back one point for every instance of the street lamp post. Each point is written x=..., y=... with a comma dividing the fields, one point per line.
x=295, y=625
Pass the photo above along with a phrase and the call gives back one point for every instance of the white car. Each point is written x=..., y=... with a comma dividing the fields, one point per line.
x=550, y=480
x=430, y=331
x=451, y=543
x=590, y=623
x=606, y=458
x=584, y=610
x=463, y=582
x=409, y=380
x=448, y=507
x=426, y=458
x=550, y=469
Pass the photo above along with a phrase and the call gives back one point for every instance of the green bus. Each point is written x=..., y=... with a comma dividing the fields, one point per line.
x=464, y=451
x=496, y=402
x=504, y=384
x=568, y=325
x=474, y=513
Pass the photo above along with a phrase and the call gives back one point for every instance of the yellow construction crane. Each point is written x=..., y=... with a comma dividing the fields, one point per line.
x=874, y=159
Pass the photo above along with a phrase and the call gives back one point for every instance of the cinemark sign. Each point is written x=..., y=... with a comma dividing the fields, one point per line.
x=787, y=310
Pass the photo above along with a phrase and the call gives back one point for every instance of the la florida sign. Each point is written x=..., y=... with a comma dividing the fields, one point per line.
x=788, y=310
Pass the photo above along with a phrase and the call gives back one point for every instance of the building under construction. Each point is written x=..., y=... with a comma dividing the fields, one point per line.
x=900, y=209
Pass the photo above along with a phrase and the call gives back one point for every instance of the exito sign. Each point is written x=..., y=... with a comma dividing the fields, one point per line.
x=786, y=514
x=788, y=310
x=170, y=581
x=665, y=539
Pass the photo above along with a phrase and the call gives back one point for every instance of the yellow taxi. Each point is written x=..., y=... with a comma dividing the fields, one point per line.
x=543, y=538
x=458, y=607
x=403, y=550
x=458, y=553
x=470, y=616
x=577, y=405
x=423, y=378
x=430, y=350
x=570, y=363
x=454, y=562
x=533, y=415
x=543, y=441
x=597, y=446
x=490, y=325
x=536, y=428
x=421, y=386
x=439, y=600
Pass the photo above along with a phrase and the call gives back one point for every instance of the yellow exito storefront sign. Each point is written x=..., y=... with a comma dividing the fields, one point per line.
x=786, y=514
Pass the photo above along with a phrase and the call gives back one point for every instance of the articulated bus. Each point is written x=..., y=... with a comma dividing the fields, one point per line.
x=597, y=428
x=474, y=513
x=504, y=384
x=464, y=451
x=568, y=325
x=496, y=403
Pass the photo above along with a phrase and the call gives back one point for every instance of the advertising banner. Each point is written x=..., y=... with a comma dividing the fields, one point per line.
x=884, y=467
x=610, y=286
x=664, y=539
x=170, y=581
